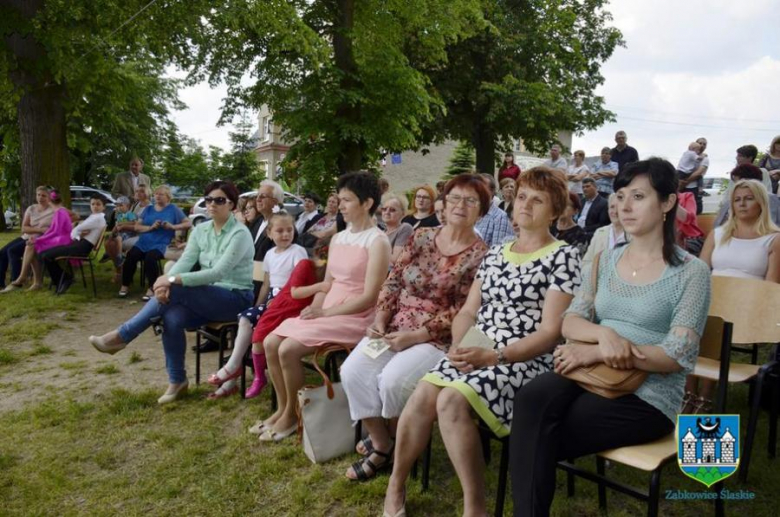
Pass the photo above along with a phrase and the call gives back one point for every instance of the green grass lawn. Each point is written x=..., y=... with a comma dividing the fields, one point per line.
x=121, y=453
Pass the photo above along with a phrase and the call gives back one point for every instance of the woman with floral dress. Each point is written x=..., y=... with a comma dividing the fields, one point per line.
x=425, y=290
x=517, y=300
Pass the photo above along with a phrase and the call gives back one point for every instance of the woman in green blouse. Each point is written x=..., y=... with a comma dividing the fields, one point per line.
x=184, y=299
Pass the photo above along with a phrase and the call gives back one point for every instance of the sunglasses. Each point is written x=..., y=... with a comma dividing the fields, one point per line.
x=216, y=200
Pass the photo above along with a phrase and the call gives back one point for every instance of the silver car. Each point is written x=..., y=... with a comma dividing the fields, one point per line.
x=79, y=200
x=292, y=204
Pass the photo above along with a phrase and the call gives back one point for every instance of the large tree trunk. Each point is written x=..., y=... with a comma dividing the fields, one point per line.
x=41, y=114
x=484, y=142
x=3, y=226
x=352, y=151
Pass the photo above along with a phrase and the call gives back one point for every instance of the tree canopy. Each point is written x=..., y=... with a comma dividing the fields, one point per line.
x=73, y=81
x=337, y=74
x=529, y=74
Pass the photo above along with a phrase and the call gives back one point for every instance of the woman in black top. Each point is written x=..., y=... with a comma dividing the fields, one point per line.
x=423, y=216
x=567, y=230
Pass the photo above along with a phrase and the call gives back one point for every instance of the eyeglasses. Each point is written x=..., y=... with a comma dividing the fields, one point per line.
x=422, y=197
x=260, y=197
x=388, y=209
x=470, y=202
x=216, y=200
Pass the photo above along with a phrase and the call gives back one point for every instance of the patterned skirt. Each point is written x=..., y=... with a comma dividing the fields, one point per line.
x=491, y=391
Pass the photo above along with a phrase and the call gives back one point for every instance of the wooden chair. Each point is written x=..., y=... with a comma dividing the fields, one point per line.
x=89, y=259
x=222, y=332
x=142, y=272
x=333, y=357
x=706, y=222
x=753, y=307
x=652, y=457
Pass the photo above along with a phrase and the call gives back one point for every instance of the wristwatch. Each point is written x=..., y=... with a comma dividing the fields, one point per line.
x=171, y=280
x=500, y=356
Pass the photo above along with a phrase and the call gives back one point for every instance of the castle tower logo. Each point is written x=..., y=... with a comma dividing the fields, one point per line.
x=708, y=446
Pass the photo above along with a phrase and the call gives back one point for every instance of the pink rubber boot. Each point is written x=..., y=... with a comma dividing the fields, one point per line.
x=258, y=360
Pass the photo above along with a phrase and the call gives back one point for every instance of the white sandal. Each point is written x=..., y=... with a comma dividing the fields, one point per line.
x=269, y=435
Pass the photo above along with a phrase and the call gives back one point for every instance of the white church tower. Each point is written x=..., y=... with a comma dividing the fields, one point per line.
x=689, y=447
x=727, y=447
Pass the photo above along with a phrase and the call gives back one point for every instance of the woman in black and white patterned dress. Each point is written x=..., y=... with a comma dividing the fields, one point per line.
x=518, y=298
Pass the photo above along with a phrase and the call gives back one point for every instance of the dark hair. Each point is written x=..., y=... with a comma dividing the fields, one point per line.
x=588, y=180
x=364, y=185
x=575, y=200
x=475, y=183
x=546, y=179
x=663, y=179
x=490, y=179
x=230, y=190
x=746, y=171
x=748, y=151
x=311, y=195
x=100, y=197
x=54, y=195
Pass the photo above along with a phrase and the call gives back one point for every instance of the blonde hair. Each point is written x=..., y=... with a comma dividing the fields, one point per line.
x=391, y=196
x=42, y=188
x=281, y=214
x=764, y=224
x=506, y=181
x=579, y=153
x=165, y=189
x=772, y=145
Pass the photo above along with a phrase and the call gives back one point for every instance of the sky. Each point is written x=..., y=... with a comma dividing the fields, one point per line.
x=689, y=69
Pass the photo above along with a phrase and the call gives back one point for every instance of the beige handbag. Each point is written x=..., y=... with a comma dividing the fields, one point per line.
x=599, y=378
x=324, y=424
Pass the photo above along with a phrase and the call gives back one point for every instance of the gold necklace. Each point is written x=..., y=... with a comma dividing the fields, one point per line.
x=634, y=270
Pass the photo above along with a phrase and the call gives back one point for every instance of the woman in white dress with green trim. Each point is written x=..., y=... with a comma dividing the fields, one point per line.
x=517, y=300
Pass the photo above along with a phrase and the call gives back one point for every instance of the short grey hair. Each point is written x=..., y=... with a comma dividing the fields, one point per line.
x=392, y=196
x=278, y=191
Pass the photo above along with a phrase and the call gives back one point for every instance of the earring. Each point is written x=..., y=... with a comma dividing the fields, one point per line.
x=664, y=216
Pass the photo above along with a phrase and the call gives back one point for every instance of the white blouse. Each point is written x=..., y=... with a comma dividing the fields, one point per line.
x=742, y=258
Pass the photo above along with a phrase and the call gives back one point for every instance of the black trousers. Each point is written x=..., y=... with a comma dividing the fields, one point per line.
x=555, y=419
x=80, y=248
x=134, y=256
x=699, y=199
x=11, y=255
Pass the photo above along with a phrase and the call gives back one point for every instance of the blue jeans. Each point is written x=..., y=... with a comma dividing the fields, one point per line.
x=11, y=255
x=189, y=307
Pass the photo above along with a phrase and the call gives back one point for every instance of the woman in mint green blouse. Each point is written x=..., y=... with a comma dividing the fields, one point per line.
x=185, y=299
x=648, y=312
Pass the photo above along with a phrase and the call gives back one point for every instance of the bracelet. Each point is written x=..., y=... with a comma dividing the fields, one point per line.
x=500, y=356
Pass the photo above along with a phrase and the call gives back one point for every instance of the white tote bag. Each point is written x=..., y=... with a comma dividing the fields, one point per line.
x=323, y=417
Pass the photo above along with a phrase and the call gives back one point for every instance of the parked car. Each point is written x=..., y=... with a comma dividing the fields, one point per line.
x=292, y=204
x=11, y=218
x=79, y=200
x=714, y=189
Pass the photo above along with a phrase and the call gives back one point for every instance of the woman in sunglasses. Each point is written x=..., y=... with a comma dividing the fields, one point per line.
x=184, y=299
x=157, y=226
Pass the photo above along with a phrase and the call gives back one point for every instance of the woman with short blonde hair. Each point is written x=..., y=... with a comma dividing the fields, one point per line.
x=398, y=232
